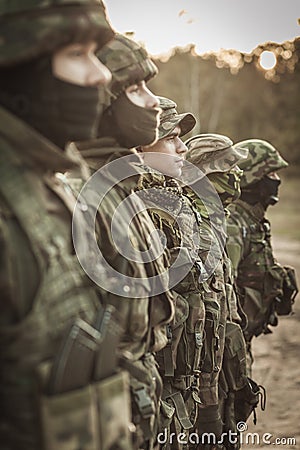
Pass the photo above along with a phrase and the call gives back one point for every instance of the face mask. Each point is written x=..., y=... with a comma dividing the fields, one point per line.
x=59, y=110
x=269, y=191
x=131, y=125
x=227, y=185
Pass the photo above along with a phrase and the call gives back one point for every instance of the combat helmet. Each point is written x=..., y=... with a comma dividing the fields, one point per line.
x=214, y=153
x=31, y=28
x=262, y=159
x=128, y=62
x=170, y=119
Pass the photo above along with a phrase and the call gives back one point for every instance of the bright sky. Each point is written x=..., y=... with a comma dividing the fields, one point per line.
x=210, y=24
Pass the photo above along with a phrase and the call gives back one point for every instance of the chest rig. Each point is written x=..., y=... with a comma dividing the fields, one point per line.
x=64, y=292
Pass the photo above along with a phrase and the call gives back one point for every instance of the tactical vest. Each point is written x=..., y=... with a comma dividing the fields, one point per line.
x=33, y=420
x=145, y=316
x=179, y=361
x=259, y=276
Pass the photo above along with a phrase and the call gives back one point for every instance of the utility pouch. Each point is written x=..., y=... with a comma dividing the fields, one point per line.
x=146, y=390
x=234, y=359
x=83, y=355
x=114, y=412
x=284, y=303
x=191, y=343
x=88, y=418
x=210, y=362
x=166, y=415
x=74, y=363
x=167, y=357
x=247, y=400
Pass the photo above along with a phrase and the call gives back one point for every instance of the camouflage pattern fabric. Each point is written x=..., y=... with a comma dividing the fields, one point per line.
x=145, y=317
x=179, y=363
x=170, y=119
x=214, y=153
x=31, y=28
x=128, y=62
x=262, y=159
x=224, y=365
x=258, y=274
x=44, y=290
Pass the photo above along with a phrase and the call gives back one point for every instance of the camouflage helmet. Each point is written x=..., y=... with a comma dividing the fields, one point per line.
x=170, y=119
x=128, y=62
x=262, y=159
x=214, y=153
x=30, y=28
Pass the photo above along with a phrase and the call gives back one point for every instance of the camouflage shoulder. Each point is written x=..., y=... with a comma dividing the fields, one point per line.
x=236, y=233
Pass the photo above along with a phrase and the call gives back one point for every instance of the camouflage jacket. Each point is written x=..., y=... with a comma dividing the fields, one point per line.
x=44, y=291
x=179, y=362
x=220, y=302
x=258, y=275
x=145, y=313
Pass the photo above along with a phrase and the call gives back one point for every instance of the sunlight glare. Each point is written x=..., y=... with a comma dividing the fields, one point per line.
x=267, y=60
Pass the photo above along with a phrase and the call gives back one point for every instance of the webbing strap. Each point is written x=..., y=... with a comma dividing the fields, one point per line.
x=167, y=355
x=181, y=411
x=199, y=328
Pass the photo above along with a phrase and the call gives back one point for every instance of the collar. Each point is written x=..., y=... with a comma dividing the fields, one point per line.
x=33, y=149
x=98, y=152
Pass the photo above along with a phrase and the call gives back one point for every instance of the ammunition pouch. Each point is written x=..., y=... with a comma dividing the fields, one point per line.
x=284, y=302
x=247, y=400
x=166, y=415
x=211, y=356
x=191, y=343
x=89, y=418
x=84, y=354
x=146, y=391
x=167, y=357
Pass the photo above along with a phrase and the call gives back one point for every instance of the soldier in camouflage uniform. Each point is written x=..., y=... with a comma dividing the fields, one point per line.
x=217, y=159
x=51, y=398
x=126, y=124
x=267, y=288
x=174, y=214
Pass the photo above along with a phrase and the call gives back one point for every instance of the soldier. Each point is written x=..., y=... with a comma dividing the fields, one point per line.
x=267, y=288
x=130, y=119
x=217, y=159
x=174, y=214
x=51, y=396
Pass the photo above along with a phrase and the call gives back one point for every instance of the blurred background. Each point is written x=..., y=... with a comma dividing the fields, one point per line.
x=236, y=65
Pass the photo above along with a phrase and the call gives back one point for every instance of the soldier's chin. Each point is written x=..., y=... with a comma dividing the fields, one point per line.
x=174, y=172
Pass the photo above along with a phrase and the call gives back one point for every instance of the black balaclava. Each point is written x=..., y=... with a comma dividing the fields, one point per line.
x=59, y=110
x=265, y=191
x=129, y=124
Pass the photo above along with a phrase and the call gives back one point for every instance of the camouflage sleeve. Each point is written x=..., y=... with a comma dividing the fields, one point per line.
x=18, y=269
x=235, y=243
x=7, y=286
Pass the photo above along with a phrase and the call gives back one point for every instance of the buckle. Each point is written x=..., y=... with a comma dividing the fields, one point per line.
x=143, y=402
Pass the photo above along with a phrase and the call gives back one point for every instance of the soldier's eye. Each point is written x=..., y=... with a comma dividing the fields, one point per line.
x=133, y=88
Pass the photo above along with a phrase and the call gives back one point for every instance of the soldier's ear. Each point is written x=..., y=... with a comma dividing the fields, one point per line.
x=139, y=149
